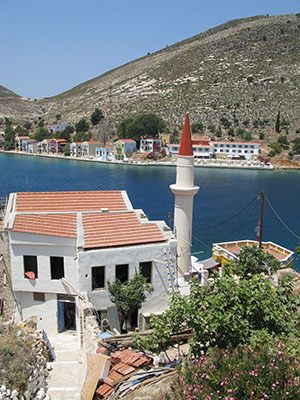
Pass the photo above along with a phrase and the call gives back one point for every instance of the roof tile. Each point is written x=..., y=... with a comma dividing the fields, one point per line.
x=70, y=201
x=118, y=229
x=64, y=225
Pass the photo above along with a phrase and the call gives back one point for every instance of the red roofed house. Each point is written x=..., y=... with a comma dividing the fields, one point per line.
x=65, y=246
x=89, y=148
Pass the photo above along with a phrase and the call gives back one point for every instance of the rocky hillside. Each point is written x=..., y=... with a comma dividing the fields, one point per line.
x=244, y=71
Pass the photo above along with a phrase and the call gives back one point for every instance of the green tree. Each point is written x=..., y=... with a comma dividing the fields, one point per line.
x=253, y=260
x=197, y=127
x=58, y=117
x=174, y=136
x=81, y=137
x=67, y=149
x=66, y=133
x=96, y=116
x=9, y=138
x=82, y=125
x=277, y=124
x=27, y=126
x=42, y=134
x=276, y=147
x=297, y=251
x=247, y=136
x=143, y=125
x=129, y=296
x=41, y=123
x=228, y=312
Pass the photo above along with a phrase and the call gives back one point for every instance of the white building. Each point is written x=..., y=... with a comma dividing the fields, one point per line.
x=245, y=150
x=211, y=149
x=76, y=149
x=65, y=246
x=105, y=153
x=150, y=145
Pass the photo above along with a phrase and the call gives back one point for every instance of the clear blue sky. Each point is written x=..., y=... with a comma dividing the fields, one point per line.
x=49, y=46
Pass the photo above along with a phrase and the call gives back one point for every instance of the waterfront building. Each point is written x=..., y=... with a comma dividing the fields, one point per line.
x=51, y=146
x=165, y=138
x=88, y=148
x=19, y=142
x=242, y=150
x=150, y=145
x=105, y=153
x=205, y=148
x=66, y=246
x=76, y=149
x=29, y=146
x=123, y=149
x=228, y=251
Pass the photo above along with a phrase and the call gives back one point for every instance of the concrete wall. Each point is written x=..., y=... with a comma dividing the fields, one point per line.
x=45, y=311
x=133, y=255
x=43, y=247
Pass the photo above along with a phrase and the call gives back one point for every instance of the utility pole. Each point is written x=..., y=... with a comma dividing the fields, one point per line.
x=262, y=197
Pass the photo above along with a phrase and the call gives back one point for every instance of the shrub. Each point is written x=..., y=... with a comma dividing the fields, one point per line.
x=247, y=136
x=240, y=373
x=272, y=153
x=246, y=123
x=276, y=147
x=17, y=360
x=261, y=135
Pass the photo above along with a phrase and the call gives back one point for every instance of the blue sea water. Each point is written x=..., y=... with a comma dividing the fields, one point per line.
x=222, y=196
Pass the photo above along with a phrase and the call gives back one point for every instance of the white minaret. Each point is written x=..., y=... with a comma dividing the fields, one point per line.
x=184, y=191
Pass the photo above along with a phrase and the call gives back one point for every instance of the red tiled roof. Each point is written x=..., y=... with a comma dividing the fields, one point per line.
x=70, y=201
x=186, y=148
x=64, y=225
x=118, y=229
x=127, y=140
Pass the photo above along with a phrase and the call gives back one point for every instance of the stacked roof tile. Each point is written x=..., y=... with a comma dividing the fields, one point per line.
x=124, y=363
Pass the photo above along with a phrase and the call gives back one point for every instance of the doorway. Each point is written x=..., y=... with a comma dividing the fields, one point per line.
x=66, y=315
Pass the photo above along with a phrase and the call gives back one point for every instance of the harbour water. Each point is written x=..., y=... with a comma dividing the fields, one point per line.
x=219, y=213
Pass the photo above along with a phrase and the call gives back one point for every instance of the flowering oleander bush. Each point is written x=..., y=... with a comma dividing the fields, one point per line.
x=238, y=374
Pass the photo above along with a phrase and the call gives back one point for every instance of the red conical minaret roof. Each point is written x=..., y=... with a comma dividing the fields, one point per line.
x=186, y=148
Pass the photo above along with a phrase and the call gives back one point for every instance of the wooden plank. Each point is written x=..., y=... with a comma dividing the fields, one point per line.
x=96, y=364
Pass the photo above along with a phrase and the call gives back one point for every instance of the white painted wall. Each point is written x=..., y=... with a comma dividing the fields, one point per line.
x=43, y=247
x=45, y=311
x=133, y=255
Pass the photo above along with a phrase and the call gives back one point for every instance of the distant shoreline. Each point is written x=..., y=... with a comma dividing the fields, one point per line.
x=198, y=164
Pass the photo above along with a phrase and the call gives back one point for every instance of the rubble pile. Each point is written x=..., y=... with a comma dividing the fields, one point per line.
x=36, y=383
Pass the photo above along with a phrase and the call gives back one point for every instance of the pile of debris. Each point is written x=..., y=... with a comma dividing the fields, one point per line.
x=121, y=373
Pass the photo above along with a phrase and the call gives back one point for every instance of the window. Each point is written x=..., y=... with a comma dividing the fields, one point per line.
x=122, y=272
x=39, y=297
x=146, y=270
x=30, y=267
x=98, y=278
x=57, y=267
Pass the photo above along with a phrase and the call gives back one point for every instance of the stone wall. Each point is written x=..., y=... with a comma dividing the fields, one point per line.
x=89, y=327
x=6, y=293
